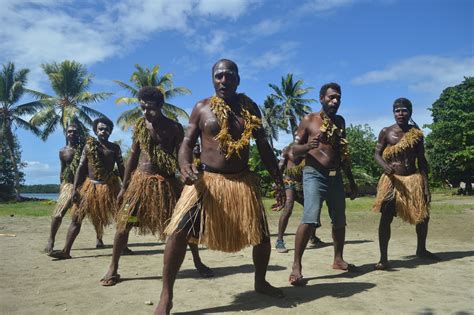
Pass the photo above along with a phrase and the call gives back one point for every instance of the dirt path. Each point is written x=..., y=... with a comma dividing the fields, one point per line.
x=31, y=283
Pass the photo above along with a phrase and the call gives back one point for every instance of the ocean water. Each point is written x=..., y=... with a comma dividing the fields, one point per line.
x=52, y=196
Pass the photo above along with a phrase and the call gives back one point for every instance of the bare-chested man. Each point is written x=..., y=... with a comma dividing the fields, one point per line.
x=69, y=157
x=403, y=188
x=321, y=140
x=221, y=205
x=100, y=186
x=293, y=180
x=150, y=187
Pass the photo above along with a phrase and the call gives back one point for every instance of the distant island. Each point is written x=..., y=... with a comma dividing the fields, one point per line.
x=48, y=188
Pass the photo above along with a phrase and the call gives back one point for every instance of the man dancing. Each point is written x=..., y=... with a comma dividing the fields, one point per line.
x=403, y=188
x=150, y=187
x=100, y=185
x=293, y=180
x=221, y=207
x=321, y=140
x=69, y=157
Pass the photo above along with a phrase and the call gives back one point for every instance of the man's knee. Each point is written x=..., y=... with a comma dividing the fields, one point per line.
x=76, y=220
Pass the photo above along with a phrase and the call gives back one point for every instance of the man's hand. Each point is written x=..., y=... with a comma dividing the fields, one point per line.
x=388, y=170
x=189, y=174
x=354, y=191
x=120, y=196
x=280, y=197
x=313, y=142
x=427, y=194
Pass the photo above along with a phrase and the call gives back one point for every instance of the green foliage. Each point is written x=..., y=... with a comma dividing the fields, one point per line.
x=271, y=119
x=362, y=143
x=48, y=188
x=149, y=77
x=12, y=88
x=70, y=82
x=7, y=169
x=292, y=107
x=450, y=145
x=256, y=165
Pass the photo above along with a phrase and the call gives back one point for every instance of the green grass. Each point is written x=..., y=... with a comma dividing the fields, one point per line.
x=27, y=208
x=441, y=203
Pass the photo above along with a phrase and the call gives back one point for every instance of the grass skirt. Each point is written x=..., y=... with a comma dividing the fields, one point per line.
x=148, y=202
x=65, y=194
x=232, y=212
x=98, y=203
x=408, y=194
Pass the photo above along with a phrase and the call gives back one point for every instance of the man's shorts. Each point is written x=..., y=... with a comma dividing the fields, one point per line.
x=323, y=185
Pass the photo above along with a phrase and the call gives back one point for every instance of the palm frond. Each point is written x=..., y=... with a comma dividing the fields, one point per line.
x=133, y=91
x=38, y=95
x=27, y=126
x=129, y=118
x=127, y=100
x=167, y=107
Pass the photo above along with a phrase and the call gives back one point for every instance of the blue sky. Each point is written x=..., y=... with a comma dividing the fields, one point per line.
x=377, y=50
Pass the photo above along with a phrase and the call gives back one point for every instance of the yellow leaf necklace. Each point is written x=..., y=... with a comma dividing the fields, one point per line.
x=251, y=122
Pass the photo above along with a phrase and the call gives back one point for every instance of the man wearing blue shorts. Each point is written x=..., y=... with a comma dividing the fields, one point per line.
x=321, y=141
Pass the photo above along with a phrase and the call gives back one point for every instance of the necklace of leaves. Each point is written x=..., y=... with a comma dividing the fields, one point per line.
x=221, y=109
x=95, y=162
x=165, y=162
x=333, y=135
x=70, y=170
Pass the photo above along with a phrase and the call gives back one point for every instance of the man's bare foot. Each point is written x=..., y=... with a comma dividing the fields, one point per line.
x=382, y=265
x=59, y=254
x=99, y=244
x=164, y=307
x=424, y=254
x=127, y=251
x=204, y=270
x=297, y=280
x=267, y=289
x=49, y=248
x=342, y=265
x=110, y=279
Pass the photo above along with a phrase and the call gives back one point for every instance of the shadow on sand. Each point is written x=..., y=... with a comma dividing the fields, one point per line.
x=225, y=271
x=252, y=301
x=409, y=263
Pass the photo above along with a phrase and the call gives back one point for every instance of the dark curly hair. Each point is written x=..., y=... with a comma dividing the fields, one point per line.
x=327, y=86
x=152, y=94
x=103, y=120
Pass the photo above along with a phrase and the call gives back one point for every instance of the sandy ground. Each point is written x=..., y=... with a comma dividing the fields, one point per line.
x=32, y=283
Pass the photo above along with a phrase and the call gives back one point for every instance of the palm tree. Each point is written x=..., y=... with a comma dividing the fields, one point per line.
x=12, y=87
x=290, y=97
x=71, y=82
x=271, y=118
x=149, y=77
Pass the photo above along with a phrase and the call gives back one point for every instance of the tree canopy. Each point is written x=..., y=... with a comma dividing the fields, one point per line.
x=450, y=145
x=70, y=82
x=149, y=77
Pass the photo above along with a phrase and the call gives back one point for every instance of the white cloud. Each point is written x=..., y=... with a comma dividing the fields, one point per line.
x=224, y=8
x=275, y=57
x=324, y=5
x=267, y=27
x=215, y=43
x=35, y=169
x=40, y=31
x=422, y=73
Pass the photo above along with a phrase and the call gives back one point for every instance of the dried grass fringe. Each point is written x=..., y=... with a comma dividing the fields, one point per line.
x=98, y=203
x=150, y=198
x=65, y=194
x=232, y=213
x=408, y=193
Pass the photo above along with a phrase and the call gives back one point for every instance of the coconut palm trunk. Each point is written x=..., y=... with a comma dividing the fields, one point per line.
x=11, y=150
